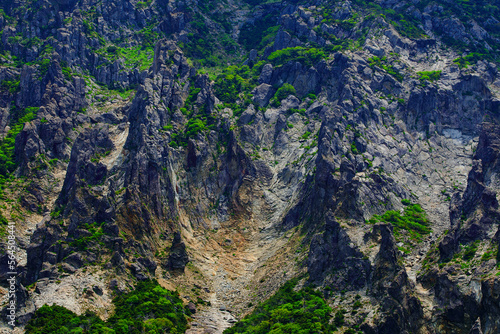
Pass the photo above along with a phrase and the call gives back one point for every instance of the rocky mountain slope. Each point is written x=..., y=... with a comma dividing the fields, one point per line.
x=225, y=148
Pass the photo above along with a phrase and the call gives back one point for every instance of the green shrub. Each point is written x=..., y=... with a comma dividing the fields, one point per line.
x=68, y=73
x=143, y=4
x=140, y=57
x=228, y=87
x=194, y=126
x=383, y=64
x=306, y=135
x=193, y=94
x=404, y=23
x=12, y=87
x=43, y=68
x=405, y=201
x=414, y=220
x=282, y=93
x=236, y=81
x=429, y=75
x=306, y=56
x=149, y=301
x=200, y=45
x=354, y=149
x=488, y=255
x=234, y=85
x=470, y=251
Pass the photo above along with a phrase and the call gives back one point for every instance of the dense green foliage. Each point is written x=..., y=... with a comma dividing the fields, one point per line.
x=414, y=220
x=288, y=311
x=135, y=57
x=306, y=56
x=148, y=309
x=148, y=36
x=347, y=24
x=17, y=120
x=191, y=99
x=57, y=319
x=282, y=93
x=234, y=85
x=11, y=86
x=431, y=76
x=194, y=126
x=230, y=84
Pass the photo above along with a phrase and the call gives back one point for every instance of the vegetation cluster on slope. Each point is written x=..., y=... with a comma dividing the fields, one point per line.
x=288, y=311
x=413, y=220
x=147, y=309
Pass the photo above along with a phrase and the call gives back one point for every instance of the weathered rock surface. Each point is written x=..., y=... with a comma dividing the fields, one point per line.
x=178, y=257
x=133, y=168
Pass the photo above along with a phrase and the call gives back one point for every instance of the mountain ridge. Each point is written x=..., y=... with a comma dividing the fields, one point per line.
x=226, y=148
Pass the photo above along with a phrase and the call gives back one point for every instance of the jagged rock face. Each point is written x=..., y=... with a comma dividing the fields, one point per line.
x=391, y=284
x=178, y=257
x=332, y=252
x=474, y=218
x=139, y=167
x=476, y=329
